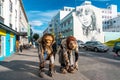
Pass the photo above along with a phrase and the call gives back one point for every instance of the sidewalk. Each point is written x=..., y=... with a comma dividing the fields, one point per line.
x=24, y=66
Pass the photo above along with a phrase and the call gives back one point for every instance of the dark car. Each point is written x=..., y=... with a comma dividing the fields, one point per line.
x=96, y=46
x=116, y=48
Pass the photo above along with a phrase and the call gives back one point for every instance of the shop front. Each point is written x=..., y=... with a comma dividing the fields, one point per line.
x=7, y=41
x=2, y=43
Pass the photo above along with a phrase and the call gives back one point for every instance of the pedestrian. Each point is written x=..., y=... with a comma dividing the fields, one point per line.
x=30, y=44
x=68, y=47
x=45, y=53
x=17, y=45
x=20, y=46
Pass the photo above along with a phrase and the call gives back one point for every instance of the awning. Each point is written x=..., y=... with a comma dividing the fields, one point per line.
x=3, y=26
x=22, y=33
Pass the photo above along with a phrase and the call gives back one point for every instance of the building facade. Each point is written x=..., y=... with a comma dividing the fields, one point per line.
x=54, y=26
x=85, y=22
x=112, y=29
x=13, y=20
x=111, y=25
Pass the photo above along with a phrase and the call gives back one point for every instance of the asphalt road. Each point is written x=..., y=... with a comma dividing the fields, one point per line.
x=92, y=66
x=99, y=65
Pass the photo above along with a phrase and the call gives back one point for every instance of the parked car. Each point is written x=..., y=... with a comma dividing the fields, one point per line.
x=116, y=48
x=96, y=46
x=80, y=44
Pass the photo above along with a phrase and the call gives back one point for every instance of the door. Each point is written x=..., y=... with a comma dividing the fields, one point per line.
x=11, y=45
x=2, y=45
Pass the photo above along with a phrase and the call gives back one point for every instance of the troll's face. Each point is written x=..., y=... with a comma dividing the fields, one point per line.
x=72, y=45
x=71, y=42
x=48, y=40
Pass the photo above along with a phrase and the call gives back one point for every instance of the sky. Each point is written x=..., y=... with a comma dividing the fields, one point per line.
x=40, y=12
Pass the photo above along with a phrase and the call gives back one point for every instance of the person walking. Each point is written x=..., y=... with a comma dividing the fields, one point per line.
x=20, y=46
x=17, y=46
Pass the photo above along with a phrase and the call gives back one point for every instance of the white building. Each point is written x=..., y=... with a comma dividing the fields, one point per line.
x=111, y=25
x=13, y=13
x=107, y=15
x=112, y=29
x=84, y=23
x=13, y=21
x=54, y=25
x=23, y=24
x=109, y=12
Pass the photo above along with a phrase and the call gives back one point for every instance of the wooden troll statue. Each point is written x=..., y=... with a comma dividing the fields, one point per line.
x=45, y=53
x=68, y=47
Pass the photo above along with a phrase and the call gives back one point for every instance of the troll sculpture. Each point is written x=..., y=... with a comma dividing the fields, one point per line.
x=45, y=53
x=68, y=47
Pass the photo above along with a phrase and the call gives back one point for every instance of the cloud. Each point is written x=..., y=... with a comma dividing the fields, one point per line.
x=39, y=19
x=36, y=23
x=39, y=31
x=48, y=13
x=41, y=16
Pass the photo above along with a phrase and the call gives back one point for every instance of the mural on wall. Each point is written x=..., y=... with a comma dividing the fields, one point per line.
x=87, y=19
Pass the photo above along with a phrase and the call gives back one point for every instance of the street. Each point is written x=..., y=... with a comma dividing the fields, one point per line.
x=92, y=66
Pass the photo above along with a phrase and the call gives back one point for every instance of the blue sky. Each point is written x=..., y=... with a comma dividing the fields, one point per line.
x=40, y=12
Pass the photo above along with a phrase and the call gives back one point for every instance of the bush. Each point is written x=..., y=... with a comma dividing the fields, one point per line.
x=112, y=42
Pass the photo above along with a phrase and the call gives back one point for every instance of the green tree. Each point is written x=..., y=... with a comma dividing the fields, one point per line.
x=35, y=36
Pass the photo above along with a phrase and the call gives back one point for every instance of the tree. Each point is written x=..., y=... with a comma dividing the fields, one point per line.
x=35, y=36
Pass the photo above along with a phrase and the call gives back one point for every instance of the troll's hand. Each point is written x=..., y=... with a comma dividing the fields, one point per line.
x=76, y=66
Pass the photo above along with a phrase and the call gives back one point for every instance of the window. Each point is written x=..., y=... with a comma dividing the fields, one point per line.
x=105, y=22
x=66, y=9
x=22, y=29
x=64, y=24
x=61, y=25
x=50, y=25
x=114, y=21
x=20, y=14
x=10, y=6
x=15, y=13
x=71, y=20
x=68, y=22
x=15, y=19
x=1, y=7
x=15, y=1
x=10, y=18
x=16, y=28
